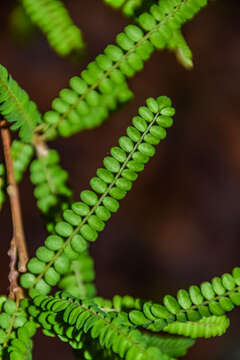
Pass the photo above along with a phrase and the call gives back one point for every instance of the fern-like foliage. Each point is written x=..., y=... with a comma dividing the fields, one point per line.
x=176, y=43
x=156, y=29
x=53, y=20
x=79, y=279
x=71, y=318
x=21, y=343
x=21, y=157
x=15, y=329
x=200, y=305
x=206, y=327
x=87, y=218
x=16, y=107
x=50, y=182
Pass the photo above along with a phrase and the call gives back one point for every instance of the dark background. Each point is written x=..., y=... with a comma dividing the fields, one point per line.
x=181, y=223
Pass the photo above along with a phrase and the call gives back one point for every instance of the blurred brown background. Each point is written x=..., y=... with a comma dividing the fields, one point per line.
x=181, y=223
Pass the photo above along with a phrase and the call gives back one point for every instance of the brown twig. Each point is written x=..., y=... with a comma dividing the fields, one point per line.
x=18, y=245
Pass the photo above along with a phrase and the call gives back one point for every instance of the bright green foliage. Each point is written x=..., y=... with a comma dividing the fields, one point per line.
x=178, y=315
x=16, y=107
x=112, y=182
x=156, y=29
x=21, y=155
x=97, y=328
x=78, y=281
x=13, y=326
x=2, y=182
x=71, y=318
x=72, y=114
x=50, y=180
x=175, y=43
x=128, y=7
x=206, y=327
x=53, y=20
x=21, y=344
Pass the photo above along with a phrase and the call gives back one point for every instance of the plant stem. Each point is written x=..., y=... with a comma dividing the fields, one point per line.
x=18, y=245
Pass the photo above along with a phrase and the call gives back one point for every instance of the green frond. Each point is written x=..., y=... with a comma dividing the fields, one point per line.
x=21, y=155
x=54, y=21
x=16, y=107
x=50, y=182
x=71, y=318
x=16, y=329
x=79, y=279
x=21, y=345
x=175, y=43
x=198, y=312
x=135, y=45
x=206, y=327
x=54, y=196
x=87, y=218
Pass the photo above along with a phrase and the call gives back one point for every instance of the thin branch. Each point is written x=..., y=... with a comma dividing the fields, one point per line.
x=18, y=245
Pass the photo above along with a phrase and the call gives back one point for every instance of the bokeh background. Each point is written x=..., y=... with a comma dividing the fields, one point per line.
x=181, y=223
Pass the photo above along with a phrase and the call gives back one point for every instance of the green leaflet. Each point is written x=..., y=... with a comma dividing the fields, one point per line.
x=83, y=101
x=16, y=107
x=87, y=218
x=128, y=7
x=53, y=20
x=183, y=52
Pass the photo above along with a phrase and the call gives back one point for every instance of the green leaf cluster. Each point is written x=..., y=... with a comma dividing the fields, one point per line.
x=16, y=107
x=53, y=19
